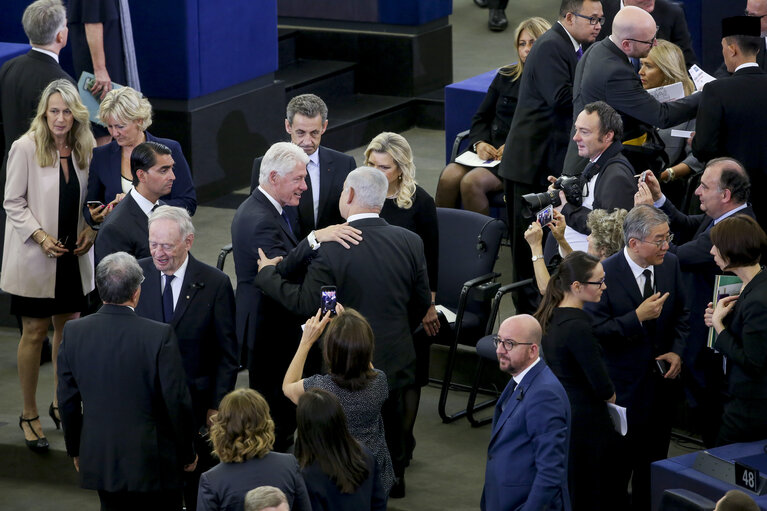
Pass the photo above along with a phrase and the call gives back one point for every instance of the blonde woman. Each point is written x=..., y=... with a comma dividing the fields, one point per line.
x=489, y=128
x=242, y=434
x=47, y=262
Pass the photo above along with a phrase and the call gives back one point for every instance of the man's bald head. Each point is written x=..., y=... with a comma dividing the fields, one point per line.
x=634, y=31
x=526, y=328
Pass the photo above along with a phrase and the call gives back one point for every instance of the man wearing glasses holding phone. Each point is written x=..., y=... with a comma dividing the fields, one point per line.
x=527, y=456
x=642, y=324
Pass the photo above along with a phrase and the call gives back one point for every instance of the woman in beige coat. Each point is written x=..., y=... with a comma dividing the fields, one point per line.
x=47, y=262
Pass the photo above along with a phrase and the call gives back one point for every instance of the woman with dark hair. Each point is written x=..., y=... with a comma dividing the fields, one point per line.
x=574, y=355
x=242, y=435
x=347, y=350
x=740, y=323
x=340, y=474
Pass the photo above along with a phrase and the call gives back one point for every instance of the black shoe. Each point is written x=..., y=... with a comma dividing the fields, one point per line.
x=497, y=21
x=482, y=4
x=398, y=490
x=40, y=444
x=53, y=411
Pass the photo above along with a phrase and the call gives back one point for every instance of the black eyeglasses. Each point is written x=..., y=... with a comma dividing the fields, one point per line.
x=598, y=283
x=752, y=15
x=509, y=344
x=593, y=20
x=668, y=239
x=651, y=42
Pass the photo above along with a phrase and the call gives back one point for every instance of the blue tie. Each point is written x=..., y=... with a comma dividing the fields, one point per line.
x=579, y=52
x=287, y=221
x=167, y=300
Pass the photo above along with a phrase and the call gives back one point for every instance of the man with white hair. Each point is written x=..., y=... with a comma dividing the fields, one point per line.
x=383, y=277
x=271, y=331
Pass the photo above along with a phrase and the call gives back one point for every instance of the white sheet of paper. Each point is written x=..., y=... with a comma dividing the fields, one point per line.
x=681, y=133
x=470, y=159
x=666, y=93
x=449, y=315
x=700, y=77
x=618, y=415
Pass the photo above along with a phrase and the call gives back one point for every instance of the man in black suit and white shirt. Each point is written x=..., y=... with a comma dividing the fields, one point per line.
x=123, y=398
x=270, y=330
x=306, y=121
x=126, y=228
x=757, y=9
x=383, y=277
x=198, y=301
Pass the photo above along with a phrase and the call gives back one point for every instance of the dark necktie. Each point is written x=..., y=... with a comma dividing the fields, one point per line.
x=635, y=63
x=512, y=385
x=287, y=221
x=648, y=288
x=167, y=300
x=155, y=207
x=579, y=53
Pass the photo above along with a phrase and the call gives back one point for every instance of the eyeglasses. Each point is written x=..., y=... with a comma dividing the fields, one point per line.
x=650, y=42
x=593, y=20
x=598, y=283
x=668, y=239
x=509, y=344
x=752, y=15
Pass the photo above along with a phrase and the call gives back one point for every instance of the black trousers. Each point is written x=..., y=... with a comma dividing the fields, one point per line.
x=497, y=4
x=393, y=414
x=169, y=500
x=526, y=301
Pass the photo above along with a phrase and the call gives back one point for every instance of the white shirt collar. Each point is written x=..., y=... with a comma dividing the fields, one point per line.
x=315, y=157
x=635, y=268
x=360, y=216
x=745, y=65
x=178, y=280
x=145, y=204
x=51, y=54
x=729, y=213
x=575, y=43
x=271, y=199
x=179, y=274
x=518, y=378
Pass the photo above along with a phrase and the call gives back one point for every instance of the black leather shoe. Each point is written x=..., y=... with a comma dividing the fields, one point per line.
x=53, y=411
x=482, y=4
x=40, y=443
x=497, y=21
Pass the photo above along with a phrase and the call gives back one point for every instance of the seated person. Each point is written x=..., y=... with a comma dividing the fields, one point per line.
x=489, y=128
x=266, y=498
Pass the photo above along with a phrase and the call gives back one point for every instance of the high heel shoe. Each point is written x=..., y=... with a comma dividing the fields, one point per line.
x=53, y=411
x=40, y=444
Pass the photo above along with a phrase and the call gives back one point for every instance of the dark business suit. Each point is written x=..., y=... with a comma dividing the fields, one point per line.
x=126, y=229
x=761, y=60
x=384, y=278
x=606, y=74
x=630, y=348
x=732, y=120
x=744, y=343
x=527, y=456
x=271, y=331
x=135, y=428
x=671, y=22
x=334, y=167
x=105, y=180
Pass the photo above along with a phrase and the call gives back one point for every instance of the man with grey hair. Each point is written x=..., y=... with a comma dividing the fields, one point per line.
x=306, y=121
x=197, y=300
x=123, y=398
x=23, y=78
x=263, y=222
x=642, y=324
x=266, y=498
x=383, y=277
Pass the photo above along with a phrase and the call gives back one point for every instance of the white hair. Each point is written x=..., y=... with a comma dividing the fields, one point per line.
x=178, y=215
x=369, y=185
x=282, y=157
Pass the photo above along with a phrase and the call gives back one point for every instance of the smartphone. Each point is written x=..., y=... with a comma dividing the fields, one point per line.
x=328, y=297
x=643, y=177
x=94, y=203
x=663, y=366
x=545, y=215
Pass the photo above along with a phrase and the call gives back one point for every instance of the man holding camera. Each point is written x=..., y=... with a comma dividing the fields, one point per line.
x=607, y=181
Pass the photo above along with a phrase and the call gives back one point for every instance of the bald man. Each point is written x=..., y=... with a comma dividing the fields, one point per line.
x=605, y=73
x=527, y=457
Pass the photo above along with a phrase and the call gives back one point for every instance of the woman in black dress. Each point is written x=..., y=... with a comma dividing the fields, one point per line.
x=573, y=354
x=489, y=128
x=47, y=263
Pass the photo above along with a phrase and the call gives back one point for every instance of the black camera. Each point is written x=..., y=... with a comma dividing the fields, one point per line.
x=534, y=202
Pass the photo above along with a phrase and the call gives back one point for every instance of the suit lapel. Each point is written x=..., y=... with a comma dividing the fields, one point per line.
x=151, y=293
x=273, y=211
x=626, y=279
x=513, y=401
x=189, y=289
x=707, y=221
x=326, y=180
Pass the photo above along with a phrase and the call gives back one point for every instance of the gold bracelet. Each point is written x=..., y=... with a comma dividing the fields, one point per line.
x=43, y=240
x=671, y=174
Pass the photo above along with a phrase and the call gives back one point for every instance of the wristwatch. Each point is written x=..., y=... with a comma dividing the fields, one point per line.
x=312, y=239
x=536, y=257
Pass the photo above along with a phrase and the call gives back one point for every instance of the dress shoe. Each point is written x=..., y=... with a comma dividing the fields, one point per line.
x=482, y=4
x=40, y=443
x=53, y=411
x=497, y=21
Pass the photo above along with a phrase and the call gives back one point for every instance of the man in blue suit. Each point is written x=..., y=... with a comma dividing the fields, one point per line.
x=527, y=457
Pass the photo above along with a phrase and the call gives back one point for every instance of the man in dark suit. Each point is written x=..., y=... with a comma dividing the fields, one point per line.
x=541, y=125
x=642, y=325
x=723, y=191
x=270, y=330
x=383, y=277
x=606, y=74
x=126, y=229
x=306, y=121
x=732, y=112
x=123, y=398
x=527, y=455
x=757, y=9
x=668, y=16
x=198, y=301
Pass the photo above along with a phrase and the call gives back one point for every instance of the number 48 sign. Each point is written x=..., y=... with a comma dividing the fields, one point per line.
x=747, y=477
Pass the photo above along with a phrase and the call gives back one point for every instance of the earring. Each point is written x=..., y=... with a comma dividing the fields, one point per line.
x=399, y=178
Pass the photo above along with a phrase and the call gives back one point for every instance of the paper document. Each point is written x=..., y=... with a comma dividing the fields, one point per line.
x=681, y=133
x=700, y=77
x=618, y=415
x=91, y=103
x=724, y=286
x=449, y=315
x=666, y=93
x=470, y=159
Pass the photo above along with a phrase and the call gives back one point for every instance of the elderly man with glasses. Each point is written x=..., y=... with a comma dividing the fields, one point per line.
x=642, y=324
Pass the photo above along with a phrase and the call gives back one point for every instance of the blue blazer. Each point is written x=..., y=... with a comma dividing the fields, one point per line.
x=527, y=457
x=104, y=176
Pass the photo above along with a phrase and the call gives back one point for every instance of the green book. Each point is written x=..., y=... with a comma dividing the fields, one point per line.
x=724, y=286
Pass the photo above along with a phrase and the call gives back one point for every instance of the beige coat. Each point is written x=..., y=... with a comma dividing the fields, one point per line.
x=31, y=203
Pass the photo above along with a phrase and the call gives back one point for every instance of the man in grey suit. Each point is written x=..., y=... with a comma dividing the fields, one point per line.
x=384, y=278
x=123, y=398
